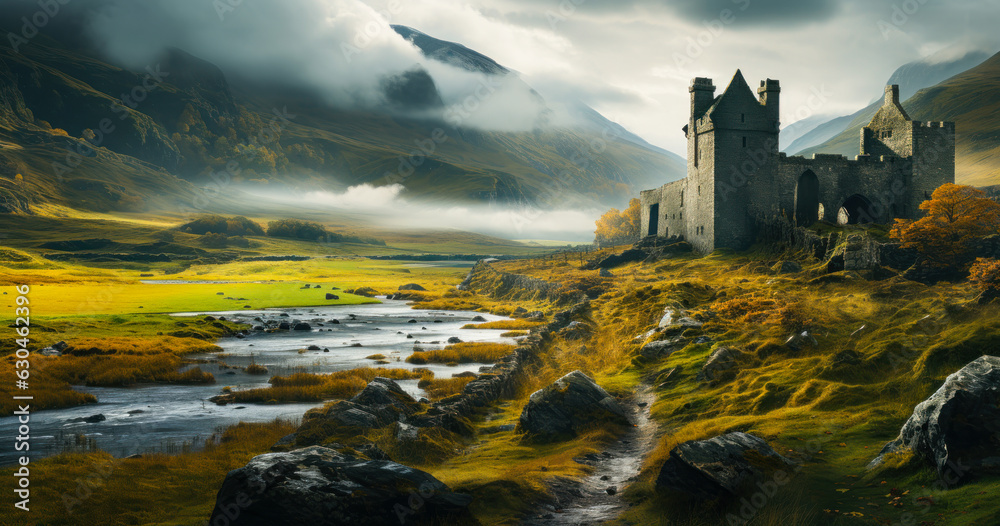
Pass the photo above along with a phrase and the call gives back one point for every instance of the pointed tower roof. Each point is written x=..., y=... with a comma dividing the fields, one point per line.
x=737, y=84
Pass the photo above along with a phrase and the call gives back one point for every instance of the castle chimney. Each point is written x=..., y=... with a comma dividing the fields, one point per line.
x=769, y=94
x=892, y=94
x=702, y=94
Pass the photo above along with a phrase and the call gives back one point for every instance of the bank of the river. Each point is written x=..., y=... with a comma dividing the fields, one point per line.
x=170, y=418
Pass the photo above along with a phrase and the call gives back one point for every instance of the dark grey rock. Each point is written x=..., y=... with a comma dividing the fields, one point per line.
x=724, y=467
x=92, y=419
x=411, y=286
x=320, y=486
x=302, y=326
x=569, y=404
x=454, y=339
x=957, y=429
x=721, y=360
x=662, y=348
x=605, y=273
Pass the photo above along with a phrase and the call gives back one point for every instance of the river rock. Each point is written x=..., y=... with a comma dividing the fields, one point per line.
x=721, y=360
x=725, y=466
x=478, y=318
x=381, y=403
x=569, y=404
x=454, y=339
x=320, y=486
x=958, y=428
x=92, y=419
x=331, y=296
x=302, y=326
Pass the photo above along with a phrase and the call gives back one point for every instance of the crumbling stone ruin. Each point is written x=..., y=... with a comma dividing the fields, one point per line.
x=737, y=179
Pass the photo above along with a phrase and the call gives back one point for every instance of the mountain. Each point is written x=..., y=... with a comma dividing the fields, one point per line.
x=582, y=115
x=972, y=100
x=910, y=77
x=791, y=132
x=195, y=127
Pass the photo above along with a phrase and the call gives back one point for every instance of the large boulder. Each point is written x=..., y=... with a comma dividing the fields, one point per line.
x=381, y=403
x=321, y=486
x=958, y=427
x=722, y=467
x=411, y=286
x=568, y=405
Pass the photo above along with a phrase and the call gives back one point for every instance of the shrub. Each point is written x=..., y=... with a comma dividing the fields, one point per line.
x=985, y=275
x=309, y=231
x=229, y=226
x=296, y=229
x=619, y=227
x=957, y=218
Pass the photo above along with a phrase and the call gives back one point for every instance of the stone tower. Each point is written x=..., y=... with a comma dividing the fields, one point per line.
x=737, y=179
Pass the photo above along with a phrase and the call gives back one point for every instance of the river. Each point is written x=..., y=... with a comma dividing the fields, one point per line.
x=170, y=418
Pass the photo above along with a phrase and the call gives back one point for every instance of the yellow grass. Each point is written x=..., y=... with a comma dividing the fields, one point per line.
x=465, y=352
x=308, y=387
x=509, y=325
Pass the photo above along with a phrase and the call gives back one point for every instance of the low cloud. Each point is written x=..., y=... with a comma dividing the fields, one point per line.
x=385, y=207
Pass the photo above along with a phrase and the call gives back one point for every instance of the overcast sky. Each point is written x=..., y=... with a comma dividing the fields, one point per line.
x=633, y=59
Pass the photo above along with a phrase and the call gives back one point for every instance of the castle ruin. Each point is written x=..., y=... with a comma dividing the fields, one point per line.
x=737, y=178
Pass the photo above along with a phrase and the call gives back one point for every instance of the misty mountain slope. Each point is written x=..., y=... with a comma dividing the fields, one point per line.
x=191, y=124
x=583, y=116
x=971, y=100
x=910, y=77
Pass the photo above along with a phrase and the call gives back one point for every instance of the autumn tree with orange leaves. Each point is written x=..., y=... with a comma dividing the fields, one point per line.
x=619, y=227
x=957, y=217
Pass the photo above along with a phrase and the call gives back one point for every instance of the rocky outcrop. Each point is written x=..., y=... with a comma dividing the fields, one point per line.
x=662, y=348
x=321, y=486
x=412, y=286
x=719, y=362
x=958, y=427
x=485, y=280
x=722, y=467
x=571, y=403
x=381, y=403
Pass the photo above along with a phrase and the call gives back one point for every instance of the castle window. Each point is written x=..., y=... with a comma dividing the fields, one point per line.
x=699, y=189
x=682, y=198
x=681, y=215
x=744, y=142
x=743, y=117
